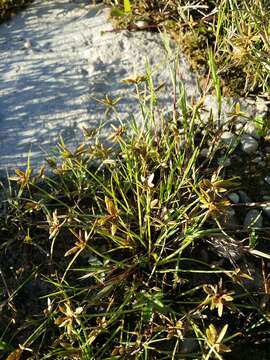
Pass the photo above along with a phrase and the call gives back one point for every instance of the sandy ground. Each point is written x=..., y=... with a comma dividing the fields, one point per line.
x=56, y=57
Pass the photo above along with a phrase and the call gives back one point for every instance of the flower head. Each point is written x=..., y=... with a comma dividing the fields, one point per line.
x=217, y=297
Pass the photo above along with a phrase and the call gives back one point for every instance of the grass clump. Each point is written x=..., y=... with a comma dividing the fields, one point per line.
x=128, y=251
x=238, y=33
x=9, y=8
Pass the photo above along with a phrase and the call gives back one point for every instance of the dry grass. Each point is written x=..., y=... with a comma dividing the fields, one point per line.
x=126, y=252
x=238, y=33
x=9, y=8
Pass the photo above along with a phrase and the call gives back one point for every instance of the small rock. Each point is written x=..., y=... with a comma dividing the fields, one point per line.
x=27, y=44
x=253, y=219
x=266, y=207
x=250, y=100
x=251, y=129
x=234, y=197
x=249, y=144
x=204, y=152
x=189, y=345
x=225, y=127
x=239, y=127
x=257, y=160
x=266, y=210
x=228, y=137
x=244, y=197
x=141, y=23
x=261, y=106
x=224, y=161
x=204, y=132
x=267, y=180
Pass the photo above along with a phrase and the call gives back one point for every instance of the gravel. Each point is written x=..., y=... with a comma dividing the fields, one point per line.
x=244, y=197
x=228, y=137
x=234, y=197
x=266, y=210
x=251, y=129
x=253, y=219
x=249, y=144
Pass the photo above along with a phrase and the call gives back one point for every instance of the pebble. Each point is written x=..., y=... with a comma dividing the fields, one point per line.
x=257, y=160
x=27, y=44
x=189, y=345
x=244, y=197
x=228, y=137
x=234, y=197
x=204, y=152
x=266, y=209
x=141, y=23
x=261, y=106
x=251, y=129
x=267, y=180
x=249, y=144
x=225, y=127
x=253, y=219
x=239, y=126
x=224, y=161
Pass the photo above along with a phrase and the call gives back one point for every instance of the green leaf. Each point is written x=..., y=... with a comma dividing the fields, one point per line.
x=115, y=11
x=4, y=346
x=127, y=6
x=260, y=124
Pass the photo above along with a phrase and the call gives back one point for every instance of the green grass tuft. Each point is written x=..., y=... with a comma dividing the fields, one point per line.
x=126, y=251
x=129, y=250
x=238, y=33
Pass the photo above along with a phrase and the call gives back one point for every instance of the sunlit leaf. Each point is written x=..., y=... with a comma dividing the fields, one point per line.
x=211, y=334
x=127, y=6
x=115, y=11
x=4, y=346
x=110, y=206
x=113, y=229
x=72, y=251
x=135, y=79
x=222, y=333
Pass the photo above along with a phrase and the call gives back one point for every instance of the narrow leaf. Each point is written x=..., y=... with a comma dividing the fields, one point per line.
x=127, y=6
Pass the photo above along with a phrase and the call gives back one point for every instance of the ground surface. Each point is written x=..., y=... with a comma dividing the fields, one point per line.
x=55, y=61
x=54, y=58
